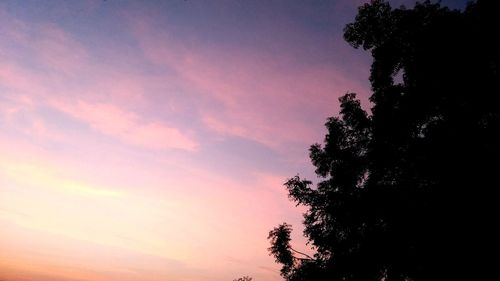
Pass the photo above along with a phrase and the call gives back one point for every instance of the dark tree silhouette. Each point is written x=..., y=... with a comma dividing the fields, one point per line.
x=244, y=278
x=407, y=192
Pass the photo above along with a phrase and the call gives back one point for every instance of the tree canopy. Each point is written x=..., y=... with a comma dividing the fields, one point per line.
x=406, y=191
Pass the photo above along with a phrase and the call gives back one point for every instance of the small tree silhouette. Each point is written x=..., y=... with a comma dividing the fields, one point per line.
x=244, y=278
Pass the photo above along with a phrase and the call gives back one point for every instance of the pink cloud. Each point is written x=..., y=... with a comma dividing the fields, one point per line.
x=101, y=95
x=271, y=108
x=58, y=50
x=127, y=126
x=48, y=45
x=27, y=91
x=271, y=99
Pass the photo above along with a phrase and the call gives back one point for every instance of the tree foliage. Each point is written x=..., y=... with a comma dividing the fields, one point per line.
x=244, y=278
x=406, y=192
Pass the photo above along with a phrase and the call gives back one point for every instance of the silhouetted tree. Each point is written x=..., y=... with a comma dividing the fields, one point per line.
x=407, y=192
x=244, y=278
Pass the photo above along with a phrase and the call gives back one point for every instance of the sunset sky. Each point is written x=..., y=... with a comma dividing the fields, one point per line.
x=150, y=140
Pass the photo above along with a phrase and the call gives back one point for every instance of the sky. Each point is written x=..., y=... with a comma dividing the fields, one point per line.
x=150, y=140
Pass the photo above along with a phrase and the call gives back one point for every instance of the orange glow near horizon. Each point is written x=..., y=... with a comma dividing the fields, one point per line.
x=53, y=223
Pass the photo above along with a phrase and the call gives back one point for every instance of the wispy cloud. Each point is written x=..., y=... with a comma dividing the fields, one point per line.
x=126, y=125
x=269, y=98
x=102, y=102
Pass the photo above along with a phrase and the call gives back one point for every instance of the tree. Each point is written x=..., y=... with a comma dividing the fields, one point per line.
x=406, y=192
x=244, y=278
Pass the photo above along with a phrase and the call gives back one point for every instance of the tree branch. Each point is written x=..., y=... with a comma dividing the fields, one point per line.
x=306, y=255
